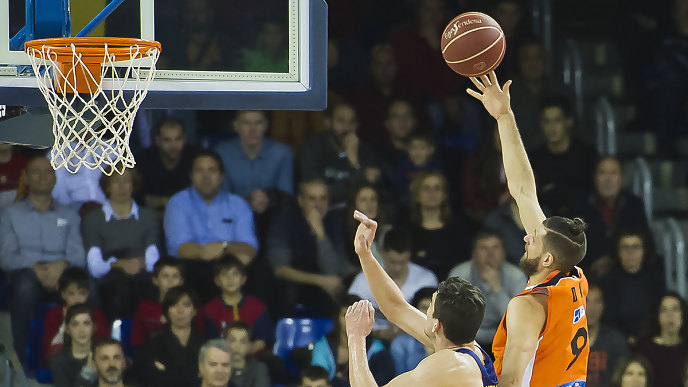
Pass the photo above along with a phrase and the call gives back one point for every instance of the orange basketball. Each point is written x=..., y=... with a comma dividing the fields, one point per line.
x=473, y=44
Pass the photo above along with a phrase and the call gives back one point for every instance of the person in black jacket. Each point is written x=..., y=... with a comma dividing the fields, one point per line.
x=170, y=358
x=66, y=365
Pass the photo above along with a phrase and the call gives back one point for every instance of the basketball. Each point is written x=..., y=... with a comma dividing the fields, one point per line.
x=473, y=44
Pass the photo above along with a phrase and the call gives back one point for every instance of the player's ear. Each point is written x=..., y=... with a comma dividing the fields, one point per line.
x=436, y=326
x=547, y=260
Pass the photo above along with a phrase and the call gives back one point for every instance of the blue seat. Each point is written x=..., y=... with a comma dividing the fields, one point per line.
x=294, y=333
x=121, y=331
x=34, y=345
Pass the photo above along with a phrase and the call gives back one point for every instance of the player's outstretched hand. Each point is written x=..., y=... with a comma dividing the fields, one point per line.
x=365, y=233
x=496, y=100
x=360, y=318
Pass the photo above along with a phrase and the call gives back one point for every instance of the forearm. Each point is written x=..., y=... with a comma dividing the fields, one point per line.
x=190, y=250
x=519, y=174
x=244, y=251
x=385, y=290
x=298, y=276
x=359, y=372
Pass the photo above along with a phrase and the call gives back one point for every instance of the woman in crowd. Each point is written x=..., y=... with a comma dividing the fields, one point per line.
x=633, y=371
x=170, y=358
x=664, y=343
x=79, y=327
x=367, y=200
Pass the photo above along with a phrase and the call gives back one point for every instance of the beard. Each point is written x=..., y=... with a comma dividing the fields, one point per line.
x=529, y=266
x=112, y=379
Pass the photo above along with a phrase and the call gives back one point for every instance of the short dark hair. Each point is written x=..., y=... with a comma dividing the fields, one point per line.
x=241, y=112
x=73, y=311
x=420, y=135
x=103, y=342
x=304, y=183
x=558, y=101
x=314, y=372
x=623, y=364
x=167, y=261
x=104, y=180
x=332, y=108
x=235, y=325
x=398, y=239
x=209, y=153
x=73, y=275
x=226, y=262
x=459, y=307
x=422, y=294
x=649, y=257
x=167, y=121
x=652, y=328
x=173, y=296
x=565, y=240
x=487, y=233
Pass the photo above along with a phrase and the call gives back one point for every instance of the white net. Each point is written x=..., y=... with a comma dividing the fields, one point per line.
x=92, y=128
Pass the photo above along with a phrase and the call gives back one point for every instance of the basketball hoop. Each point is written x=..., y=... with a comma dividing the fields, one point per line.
x=83, y=81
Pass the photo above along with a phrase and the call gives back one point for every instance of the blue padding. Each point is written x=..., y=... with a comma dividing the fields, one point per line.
x=51, y=19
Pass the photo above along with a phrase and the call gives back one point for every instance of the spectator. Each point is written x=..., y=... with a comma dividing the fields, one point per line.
x=497, y=279
x=255, y=166
x=483, y=179
x=232, y=305
x=666, y=340
x=79, y=330
x=214, y=364
x=632, y=285
x=606, y=210
x=632, y=371
x=271, y=51
x=246, y=370
x=315, y=376
x=73, y=286
x=167, y=273
x=107, y=358
x=607, y=345
x=329, y=352
x=367, y=200
x=506, y=219
x=79, y=188
x=305, y=249
x=12, y=166
x=509, y=15
x=165, y=167
x=168, y=359
x=562, y=151
x=529, y=89
x=685, y=374
x=400, y=123
x=121, y=242
x=338, y=156
x=439, y=238
x=409, y=277
x=205, y=222
x=39, y=238
x=420, y=158
x=406, y=350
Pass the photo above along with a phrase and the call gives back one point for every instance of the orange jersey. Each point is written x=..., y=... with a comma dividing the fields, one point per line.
x=561, y=356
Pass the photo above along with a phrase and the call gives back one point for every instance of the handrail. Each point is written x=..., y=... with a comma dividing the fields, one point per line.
x=642, y=184
x=573, y=74
x=605, y=127
x=679, y=255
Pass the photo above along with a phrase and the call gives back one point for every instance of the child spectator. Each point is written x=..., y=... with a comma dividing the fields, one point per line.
x=633, y=371
x=420, y=151
x=167, y=273
x=233, y=305
x=246, y=370
x=66, y=365
x=73, y=288
x=315, y=376
x=407, y=351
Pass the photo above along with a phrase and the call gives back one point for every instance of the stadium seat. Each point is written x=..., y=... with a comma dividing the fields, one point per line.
x=34, y=346
x=121, y=331
x=293, y=333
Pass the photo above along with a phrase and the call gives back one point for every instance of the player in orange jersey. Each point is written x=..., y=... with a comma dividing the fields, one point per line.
x=542, y=340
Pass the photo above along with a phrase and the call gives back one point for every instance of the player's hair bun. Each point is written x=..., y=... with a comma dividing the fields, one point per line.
x=578, y=226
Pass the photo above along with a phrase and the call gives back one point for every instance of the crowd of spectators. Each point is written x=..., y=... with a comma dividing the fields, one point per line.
x=203, y=243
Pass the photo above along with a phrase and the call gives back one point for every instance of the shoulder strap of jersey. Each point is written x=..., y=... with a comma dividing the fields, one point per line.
x=486, y=369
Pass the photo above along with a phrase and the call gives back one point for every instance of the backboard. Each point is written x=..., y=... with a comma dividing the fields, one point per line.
x=216, y=54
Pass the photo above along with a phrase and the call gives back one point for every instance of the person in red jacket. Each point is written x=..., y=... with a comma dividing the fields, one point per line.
x=233, y=305
x=74, y=289
x=167, y=273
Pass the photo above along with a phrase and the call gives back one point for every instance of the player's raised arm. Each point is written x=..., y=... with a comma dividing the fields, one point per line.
x=519, y=174
x=389, y=298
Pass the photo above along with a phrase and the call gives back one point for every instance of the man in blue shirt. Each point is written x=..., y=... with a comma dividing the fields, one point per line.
x=39, y=238
x=204, y=222
x=256, y=165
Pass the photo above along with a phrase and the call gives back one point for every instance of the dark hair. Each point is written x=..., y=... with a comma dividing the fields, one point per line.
x=235, y=325
x=652, y=328
x=313, y=372
x=73, y=311
x=173, y=296
x=73, y=275
x=420, y=135
x=103, y=342
x=167, y=121
x=332, y=108
x=302, y=185
x=557, y=101
x=487, y=233
x=167, y=261
x=623, y=364
x=241, y=112
x=459, y=307
x=226, y=262
x=445, y=207
x=603, y=158
x=209, y=153
x=422, y=294
x=649, y=258
x=104, y=181
x=398, y=239
x=565, y=240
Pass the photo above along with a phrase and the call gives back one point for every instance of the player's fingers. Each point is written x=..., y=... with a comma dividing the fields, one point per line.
x=474, y=94
x=358, y=215
x=371, y=310
x=477, y=83
x=493, y=78
x=486, y=80
x=507, y=84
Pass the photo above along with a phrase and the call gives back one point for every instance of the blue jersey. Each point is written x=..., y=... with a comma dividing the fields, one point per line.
x=486, y=367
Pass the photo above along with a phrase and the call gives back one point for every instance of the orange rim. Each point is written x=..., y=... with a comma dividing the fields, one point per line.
x=92, y=49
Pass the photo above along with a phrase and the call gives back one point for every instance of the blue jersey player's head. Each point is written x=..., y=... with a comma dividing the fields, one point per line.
x=456, y=311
